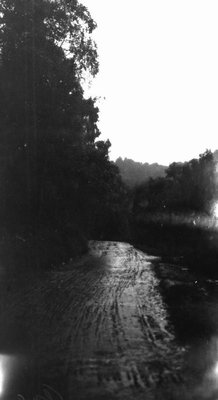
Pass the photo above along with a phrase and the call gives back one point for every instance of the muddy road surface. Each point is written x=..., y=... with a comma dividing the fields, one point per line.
x=97, y=329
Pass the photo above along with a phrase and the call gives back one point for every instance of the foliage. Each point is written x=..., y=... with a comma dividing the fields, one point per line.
x=55, y=175
x=193, y=183
x=187, y=187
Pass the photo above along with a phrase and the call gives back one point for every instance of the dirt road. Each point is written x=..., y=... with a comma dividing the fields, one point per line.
x=95, y=330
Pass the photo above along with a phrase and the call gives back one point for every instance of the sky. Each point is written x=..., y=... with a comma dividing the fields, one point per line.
x=158, y=79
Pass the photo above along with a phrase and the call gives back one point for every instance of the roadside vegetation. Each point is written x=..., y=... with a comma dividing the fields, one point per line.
x=176, y=216
x=58, y=187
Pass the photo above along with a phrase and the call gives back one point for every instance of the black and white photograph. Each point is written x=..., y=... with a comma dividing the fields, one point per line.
x=108, y=200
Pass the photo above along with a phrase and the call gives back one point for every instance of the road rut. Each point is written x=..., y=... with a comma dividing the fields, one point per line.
x=99, y=329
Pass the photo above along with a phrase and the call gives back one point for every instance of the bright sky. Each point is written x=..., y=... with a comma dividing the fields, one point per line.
x=159, y=76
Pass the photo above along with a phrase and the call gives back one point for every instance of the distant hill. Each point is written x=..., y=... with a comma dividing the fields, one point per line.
x=134, y=173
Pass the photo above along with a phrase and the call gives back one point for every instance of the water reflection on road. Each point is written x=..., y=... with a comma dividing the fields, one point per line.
x=10, y=375
x=4, y=373
x=104, y=328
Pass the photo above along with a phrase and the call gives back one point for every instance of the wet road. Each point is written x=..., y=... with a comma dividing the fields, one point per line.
x=98, y=329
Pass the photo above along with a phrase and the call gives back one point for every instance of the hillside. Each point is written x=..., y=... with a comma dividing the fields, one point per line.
x=134, y=173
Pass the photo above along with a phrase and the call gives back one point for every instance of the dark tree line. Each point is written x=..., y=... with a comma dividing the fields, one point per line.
x=173, y=217
x=187, y=187
x=57, y=183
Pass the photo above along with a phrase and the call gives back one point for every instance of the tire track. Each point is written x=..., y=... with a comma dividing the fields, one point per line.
x=102, y=323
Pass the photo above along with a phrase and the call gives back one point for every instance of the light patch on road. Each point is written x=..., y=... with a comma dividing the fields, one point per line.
x=216, y=370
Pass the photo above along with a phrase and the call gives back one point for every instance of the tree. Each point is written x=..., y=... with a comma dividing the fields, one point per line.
x=192, y=185
x=45, y=119
x=188, y=187
x=48, y=130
